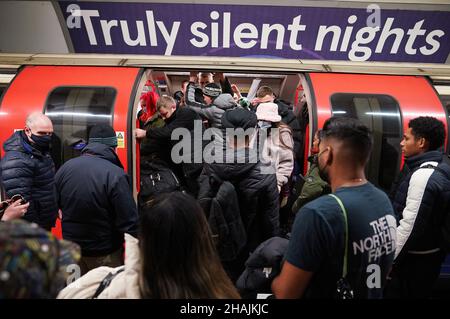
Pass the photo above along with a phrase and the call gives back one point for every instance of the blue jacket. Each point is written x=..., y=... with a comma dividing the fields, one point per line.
x=418, y=203
x=97, y=204
x=30, y=173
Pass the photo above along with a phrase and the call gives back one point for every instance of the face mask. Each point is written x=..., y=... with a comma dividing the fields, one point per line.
x=322, y=172
x=42, y=143
x=264, y=124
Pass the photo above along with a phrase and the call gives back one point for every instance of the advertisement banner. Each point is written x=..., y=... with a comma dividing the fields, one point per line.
x=279, y=32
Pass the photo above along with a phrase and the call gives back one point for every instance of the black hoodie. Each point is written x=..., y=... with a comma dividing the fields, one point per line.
x=94, y=194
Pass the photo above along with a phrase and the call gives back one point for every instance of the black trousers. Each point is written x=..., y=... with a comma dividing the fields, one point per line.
x=414, y=276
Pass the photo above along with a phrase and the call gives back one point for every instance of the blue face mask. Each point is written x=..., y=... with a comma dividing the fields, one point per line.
x=42, y=143
x=264, y=124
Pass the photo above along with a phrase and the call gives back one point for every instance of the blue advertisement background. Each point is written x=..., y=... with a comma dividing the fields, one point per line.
x=312, y=17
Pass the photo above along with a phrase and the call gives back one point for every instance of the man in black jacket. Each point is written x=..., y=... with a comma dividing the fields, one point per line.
x=94, y=194
x=181, y=118
x=27, y=169
x=420, y=201
x=256, y=189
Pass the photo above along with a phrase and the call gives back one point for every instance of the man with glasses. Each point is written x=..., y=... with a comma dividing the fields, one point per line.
x=28, y=170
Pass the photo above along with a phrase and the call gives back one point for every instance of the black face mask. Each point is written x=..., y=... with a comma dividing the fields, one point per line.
x=323, y=173
x=42, y=143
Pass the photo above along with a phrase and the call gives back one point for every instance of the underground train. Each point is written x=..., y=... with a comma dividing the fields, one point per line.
x=98, y=79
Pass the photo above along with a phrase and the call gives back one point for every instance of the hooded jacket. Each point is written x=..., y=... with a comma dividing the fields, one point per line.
x=212, y=112
x=418, y=201
x=281, y=156
x=288, y=117
x=313, y=187
x=27, y=171
x=125, y=284
x=94, y=194
x=257, y=196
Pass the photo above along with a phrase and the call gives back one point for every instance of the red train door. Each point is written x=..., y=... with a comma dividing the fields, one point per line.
x=75, y=98
x=384, y=103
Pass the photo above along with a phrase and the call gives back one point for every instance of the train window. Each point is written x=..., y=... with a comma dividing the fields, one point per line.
x=381, y=113
x=73, y=111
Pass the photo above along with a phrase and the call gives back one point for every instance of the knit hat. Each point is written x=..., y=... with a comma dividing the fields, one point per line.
x=103, y=133
x=268, y=112
x=239, y=117
x=33, y=262
x=212, y=90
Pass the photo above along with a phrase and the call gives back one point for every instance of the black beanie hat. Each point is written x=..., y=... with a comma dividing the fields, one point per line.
x=212, y=90
x=103, y=133
x=239, y=117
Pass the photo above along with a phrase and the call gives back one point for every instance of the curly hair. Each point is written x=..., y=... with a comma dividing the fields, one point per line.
x=429, y=128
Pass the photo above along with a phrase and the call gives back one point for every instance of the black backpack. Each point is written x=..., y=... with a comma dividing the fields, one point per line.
x=443, y=221
x=155, y=182
x=221, y=207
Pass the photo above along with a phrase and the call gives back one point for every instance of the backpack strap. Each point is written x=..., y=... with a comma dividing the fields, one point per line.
x=106, y=282
x=344, y=213
x=439, y=169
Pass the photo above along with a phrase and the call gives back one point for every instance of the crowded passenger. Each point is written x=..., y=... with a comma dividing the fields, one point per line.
x=314, y=186
x=28, y=170
x=421, y=202
x=94, y=195
x=255, y=185
x=174, y=258
x=278, y=142
x=216, y=103
x=188, y=171
x=327, y=257
x=265, y=94
x=148, y=107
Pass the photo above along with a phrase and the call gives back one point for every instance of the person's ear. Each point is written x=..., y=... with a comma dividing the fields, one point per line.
x=329, y=155
x=27, y=130
x=423, y=143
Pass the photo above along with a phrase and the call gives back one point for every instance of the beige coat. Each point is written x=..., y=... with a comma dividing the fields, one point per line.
x=124, y=285
x=280, y=157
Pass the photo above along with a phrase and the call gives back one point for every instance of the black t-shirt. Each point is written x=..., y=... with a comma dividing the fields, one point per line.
x=317, y=242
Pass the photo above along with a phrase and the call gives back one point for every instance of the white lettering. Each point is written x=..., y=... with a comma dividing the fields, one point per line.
x=151, y=28
x=323, y=31
x=374, y=279
x=348, y=32
x=267, y=29
x=431, y=41
x=226, y=29
x=360, y=39
x=106, y=29
x=140, y=39
x=195, y=31
x=386, y=33
x=413, y=33
x=239, y=35
x=295, y=27
x=87, y=14
x=169, y=37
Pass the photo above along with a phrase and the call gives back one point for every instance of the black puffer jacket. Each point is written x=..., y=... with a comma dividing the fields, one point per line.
x=95, y=197
x=31, y=173
x=288, y=117
x=257, y=196
x=418, y=201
